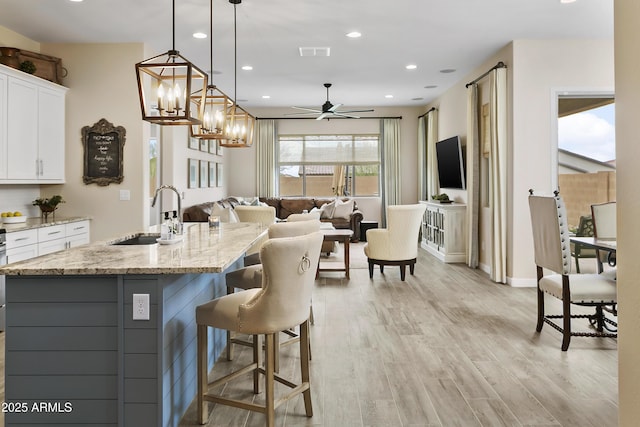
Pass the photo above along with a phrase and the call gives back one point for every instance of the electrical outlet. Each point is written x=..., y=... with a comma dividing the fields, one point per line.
x=140, y=306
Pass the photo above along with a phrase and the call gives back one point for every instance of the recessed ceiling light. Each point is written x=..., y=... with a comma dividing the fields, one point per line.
x=266, y=96
x=567, y=1
x=247, y=67
x=196, y=35
x=388, y=96
x=411, y=67
x=76, y=1
x=430, y=86
x=354, y=34
x=447, y=71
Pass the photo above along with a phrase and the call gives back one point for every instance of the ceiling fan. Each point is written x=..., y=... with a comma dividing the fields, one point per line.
x=328, y=110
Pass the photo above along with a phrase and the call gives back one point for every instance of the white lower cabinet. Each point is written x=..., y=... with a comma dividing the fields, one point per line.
x=35, y=242
x=443, y=231
x=22, y=245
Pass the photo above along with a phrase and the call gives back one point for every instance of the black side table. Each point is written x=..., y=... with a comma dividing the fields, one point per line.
x=364, y=226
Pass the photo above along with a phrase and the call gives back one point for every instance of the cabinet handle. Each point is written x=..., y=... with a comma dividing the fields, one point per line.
x=78, y=228
x=19, y=239
x=41, y=167
x=51, y=233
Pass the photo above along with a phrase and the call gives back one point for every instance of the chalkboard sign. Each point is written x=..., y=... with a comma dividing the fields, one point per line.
x=103, y=148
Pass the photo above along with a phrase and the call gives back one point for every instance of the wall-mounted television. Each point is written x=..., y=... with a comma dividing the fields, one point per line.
x=451, y=163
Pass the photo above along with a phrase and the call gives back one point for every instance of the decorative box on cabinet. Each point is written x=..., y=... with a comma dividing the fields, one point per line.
x=32, y=138
x=444, y=231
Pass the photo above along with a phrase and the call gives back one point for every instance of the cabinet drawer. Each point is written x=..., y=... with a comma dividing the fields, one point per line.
x=49, y=233
x=22, y=238
x=21, y=253
x=75, y=228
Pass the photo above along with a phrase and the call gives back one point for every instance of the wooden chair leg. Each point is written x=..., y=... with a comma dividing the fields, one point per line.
x=566, y=324
x=257, y=359
x=305, y=356
x=370, y=270
x=229, y=336
x=269, y=380
x=540, y=311
x=203, y=374
x=382, y=268
x=402, y=271
x=276, y=352
x=412, y=268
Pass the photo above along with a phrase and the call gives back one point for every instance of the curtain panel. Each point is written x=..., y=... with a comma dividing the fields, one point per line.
x=473, y=176
x=433, y=186
x=266, y=170
x=498, y=174
x=390, y=156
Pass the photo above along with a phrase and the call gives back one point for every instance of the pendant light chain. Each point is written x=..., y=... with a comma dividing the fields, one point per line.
x=235, y=55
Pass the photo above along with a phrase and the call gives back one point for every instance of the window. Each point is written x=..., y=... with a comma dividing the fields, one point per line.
x=328, y=165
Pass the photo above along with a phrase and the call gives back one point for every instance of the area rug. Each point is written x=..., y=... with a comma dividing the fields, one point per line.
x=357, y=258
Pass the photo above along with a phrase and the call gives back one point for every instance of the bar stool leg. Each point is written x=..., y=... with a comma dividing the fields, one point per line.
x=257, y=359
x=304, y=366
x=203, y=374
x=269, y=381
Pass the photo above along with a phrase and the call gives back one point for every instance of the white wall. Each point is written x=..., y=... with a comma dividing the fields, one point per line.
x=10, y=38
x=540, y=68
x=535, y=71
x=627, y=65
x=102, y=84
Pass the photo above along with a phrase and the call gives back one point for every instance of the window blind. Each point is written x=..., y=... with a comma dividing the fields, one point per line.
x=328, y=149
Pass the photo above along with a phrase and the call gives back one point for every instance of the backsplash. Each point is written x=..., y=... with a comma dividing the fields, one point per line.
x=18, y=198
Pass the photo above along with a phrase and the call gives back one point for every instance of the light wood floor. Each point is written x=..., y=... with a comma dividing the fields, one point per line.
x=448, y=347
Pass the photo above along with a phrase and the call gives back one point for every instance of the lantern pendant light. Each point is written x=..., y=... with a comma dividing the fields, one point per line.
x=240, y=124
x=167, y=86
x=217, y=104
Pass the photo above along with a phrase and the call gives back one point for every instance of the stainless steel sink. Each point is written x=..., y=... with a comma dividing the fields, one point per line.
x=139, y=239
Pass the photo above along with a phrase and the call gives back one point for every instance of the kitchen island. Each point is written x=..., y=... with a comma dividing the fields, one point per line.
x=73, y=348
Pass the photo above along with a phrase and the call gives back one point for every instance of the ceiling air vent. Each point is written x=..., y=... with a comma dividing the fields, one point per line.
x=314, y=51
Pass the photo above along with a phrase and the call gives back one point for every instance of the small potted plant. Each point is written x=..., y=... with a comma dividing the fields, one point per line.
x=48, y=205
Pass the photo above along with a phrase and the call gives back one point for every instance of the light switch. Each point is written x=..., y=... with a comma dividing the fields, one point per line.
x=125, y=195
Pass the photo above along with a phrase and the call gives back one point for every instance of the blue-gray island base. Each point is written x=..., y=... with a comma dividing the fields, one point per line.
x=74, y=355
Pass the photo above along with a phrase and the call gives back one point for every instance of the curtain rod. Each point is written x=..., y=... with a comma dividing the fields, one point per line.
x=498, y=65
x=430, y=110
x=313, y=118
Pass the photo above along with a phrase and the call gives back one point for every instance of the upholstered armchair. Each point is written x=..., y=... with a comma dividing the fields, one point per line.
x=398, y=243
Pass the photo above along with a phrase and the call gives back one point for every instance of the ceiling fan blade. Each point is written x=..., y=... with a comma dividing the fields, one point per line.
x=313, y=110
x=323, y=115
x=356, y=111
x=334, y=108
x=343, y=114
x=310, y=113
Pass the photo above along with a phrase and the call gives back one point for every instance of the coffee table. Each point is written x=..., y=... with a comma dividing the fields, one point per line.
x=339, y=235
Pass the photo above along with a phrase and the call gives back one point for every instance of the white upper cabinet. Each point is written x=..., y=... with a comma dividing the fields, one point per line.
x=35, y=129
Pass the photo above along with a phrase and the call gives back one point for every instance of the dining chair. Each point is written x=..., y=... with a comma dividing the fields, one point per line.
x=578, y=251
x=553, y=270
x=283, y=302
x=604, y=227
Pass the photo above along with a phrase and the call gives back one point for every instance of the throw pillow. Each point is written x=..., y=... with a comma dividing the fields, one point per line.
x=326, y=210
x=343, y=209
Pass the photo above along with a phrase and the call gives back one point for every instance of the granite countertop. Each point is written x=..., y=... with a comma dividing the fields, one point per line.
x=201, y=250
x=37, y=222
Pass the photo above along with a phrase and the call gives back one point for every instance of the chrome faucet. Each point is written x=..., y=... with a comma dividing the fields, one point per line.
x=175, y=190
